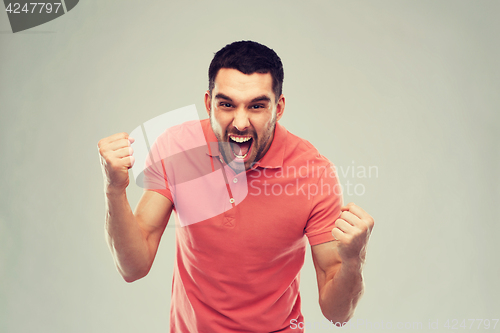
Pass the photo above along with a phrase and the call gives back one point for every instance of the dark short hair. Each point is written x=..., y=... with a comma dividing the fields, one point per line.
x=248, y=57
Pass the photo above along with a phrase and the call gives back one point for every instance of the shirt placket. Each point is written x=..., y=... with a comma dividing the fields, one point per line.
x=229, y=214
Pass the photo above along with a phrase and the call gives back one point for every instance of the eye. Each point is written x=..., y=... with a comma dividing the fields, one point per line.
x=225, y=104
x=257, y=106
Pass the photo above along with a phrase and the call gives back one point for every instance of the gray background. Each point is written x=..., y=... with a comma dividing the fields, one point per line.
x=410, y=87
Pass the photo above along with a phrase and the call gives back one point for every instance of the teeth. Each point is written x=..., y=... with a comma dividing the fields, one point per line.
x=239, y=139
x=240, y=156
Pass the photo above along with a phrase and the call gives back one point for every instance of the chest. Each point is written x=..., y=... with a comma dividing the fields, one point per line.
x=265, y=219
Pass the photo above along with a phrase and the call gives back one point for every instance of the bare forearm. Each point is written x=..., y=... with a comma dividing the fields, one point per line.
x=340, y=295
x=125, y=238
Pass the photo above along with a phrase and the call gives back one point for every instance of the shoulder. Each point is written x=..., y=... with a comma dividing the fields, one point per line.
x=177, y=139
x=299, y=151
x=185, y=132
x=188, y=128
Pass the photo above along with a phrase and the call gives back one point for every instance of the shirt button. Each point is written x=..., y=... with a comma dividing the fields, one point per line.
x=231, y=200
x=235, y=180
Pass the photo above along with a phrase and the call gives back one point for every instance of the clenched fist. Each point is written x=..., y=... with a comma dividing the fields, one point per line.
x=352, y=231
x=116, y=159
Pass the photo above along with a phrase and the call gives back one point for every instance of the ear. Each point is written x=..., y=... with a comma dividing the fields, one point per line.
x=280, y=107
x=208, y=102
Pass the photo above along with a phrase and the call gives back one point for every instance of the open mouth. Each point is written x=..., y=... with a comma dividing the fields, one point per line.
x=241, y=145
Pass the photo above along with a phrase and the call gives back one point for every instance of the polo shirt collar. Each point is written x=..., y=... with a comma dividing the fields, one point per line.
x=272, y=159
x=274, y=156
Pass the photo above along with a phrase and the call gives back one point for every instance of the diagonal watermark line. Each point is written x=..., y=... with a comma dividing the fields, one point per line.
x=64, y=6
x=145, y=137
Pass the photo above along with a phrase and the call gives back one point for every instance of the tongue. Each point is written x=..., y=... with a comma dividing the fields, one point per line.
x=241, y=148
x=244, y=147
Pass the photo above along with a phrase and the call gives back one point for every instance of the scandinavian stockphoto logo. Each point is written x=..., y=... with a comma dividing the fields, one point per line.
x=26, y=14
x=171, y=154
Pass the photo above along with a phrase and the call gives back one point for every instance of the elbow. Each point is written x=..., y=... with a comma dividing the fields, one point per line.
x=130, y=277
x=339, y=314
x=130, y=271
x=338, y=319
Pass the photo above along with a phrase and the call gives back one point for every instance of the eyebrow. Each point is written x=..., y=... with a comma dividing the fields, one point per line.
x=222, y=96
x=262, y=98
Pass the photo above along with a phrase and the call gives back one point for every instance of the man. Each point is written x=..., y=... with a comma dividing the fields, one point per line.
x=238, y=271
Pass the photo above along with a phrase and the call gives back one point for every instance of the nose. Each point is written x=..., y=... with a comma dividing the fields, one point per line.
x=240, y=120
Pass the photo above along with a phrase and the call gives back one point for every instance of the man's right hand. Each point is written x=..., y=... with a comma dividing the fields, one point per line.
x=116, y=159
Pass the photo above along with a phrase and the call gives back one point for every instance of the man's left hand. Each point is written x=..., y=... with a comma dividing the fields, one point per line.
x=352, y=231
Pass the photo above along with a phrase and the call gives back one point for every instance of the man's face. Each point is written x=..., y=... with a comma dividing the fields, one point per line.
x=243, y=112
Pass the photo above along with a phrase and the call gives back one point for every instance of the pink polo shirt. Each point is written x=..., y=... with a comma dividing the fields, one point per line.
x=241, y=237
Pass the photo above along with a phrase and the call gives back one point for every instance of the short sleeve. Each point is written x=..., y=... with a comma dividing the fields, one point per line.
x=325, y=207
x=176, y=162
x=155, y=174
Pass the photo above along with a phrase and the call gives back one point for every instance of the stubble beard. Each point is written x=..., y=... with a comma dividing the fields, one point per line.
x=226, y=150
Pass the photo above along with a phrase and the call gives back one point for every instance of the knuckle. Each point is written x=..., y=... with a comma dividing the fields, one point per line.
x=105, y=155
